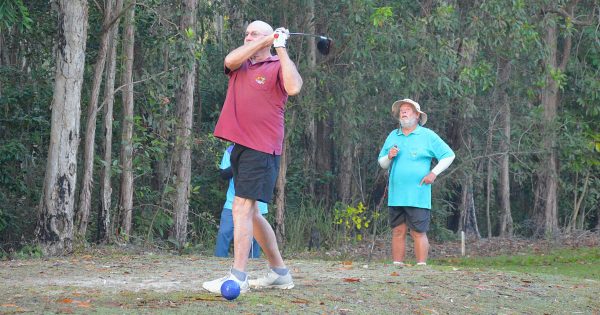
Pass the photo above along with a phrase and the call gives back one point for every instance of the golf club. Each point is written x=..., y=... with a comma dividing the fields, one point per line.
x=323, y=45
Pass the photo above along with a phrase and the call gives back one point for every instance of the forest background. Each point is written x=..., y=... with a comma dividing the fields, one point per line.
x=107, y=110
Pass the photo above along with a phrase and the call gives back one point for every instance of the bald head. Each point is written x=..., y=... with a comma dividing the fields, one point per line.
x=259, y=26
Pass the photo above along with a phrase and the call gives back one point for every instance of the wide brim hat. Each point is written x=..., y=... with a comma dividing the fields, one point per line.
x=417, y=107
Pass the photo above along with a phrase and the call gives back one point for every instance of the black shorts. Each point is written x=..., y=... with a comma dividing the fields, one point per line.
x=254, y=173
x=417, y=219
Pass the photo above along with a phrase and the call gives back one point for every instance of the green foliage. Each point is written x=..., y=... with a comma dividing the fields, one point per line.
x=14, y=12
x=559, y=77
x=578, y=262
x=381, y=16
x=29, y=251
x=305, y=221
x=446, y=55
x=354, y=220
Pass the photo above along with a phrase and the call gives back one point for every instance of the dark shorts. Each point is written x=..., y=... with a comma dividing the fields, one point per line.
x=417, y=219
x=254, y=173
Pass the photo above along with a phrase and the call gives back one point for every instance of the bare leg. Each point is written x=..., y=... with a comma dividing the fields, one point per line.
x=243, y=212
x=421, y=246
x=265, y=236
x=399, y=242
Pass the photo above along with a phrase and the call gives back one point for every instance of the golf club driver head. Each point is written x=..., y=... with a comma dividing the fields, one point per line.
x=323, y=45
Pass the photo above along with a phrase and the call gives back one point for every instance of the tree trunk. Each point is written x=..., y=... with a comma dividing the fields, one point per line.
x=577, y=200
x=185, y=108
x=345, y=173
x=162, y=167
x=506, y=221
x=126, y=193
x=461, y=138
x=104, y=232
x=54, y=229
x=85, y=196
x=2, y=54
x=311, y=126
x=597, y=218
x=489, y=176
x=324, y=163
x=468, y=221
x=346, y=149
x=280, y=196
x=546, y=192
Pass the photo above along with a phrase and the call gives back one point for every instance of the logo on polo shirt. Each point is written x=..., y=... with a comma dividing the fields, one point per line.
x=260, y=79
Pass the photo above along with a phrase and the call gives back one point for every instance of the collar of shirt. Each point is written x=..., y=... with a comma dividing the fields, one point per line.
x=417, y=131
x=268, y=59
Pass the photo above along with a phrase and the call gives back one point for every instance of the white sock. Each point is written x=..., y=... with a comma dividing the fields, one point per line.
x=398, y=263
x=422, y=264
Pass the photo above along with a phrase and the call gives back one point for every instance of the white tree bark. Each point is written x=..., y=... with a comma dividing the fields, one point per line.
x=104, y=232
x=126, y=193
x=85, y=196
x=182, y=150
x=506, y=221
x=54, y=229
x=546, y=192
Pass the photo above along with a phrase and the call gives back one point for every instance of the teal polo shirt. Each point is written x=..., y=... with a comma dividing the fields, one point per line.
x=412, y=163
x=225, y=163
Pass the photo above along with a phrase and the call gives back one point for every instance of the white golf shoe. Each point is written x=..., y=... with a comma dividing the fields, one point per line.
x=273, y=281
x=214, y=286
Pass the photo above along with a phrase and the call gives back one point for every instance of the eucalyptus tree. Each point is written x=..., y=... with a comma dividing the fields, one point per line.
x=505, y=34
x=184, y=116
x=85, y=198
x=55, y=216
x=104, y=212
x=126, y=155
x=558, y=23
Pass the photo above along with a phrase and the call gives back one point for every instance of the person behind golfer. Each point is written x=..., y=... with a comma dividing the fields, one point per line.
x=225, y=234
x=253, y=118
x=407, y=154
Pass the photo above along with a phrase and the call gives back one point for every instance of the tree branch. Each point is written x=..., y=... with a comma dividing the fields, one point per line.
x=110, y=24
x=572, y=19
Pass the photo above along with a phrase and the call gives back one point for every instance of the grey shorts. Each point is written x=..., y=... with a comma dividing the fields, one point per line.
x=417, y=219
x=254, y=173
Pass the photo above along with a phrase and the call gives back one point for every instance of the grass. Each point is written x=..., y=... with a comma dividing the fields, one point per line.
x=577, y=262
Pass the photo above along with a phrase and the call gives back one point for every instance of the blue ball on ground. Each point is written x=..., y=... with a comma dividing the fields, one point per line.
x=230, y=289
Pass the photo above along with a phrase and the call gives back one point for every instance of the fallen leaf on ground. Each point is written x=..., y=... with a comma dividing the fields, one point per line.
x=351, y=280
x=212, y=298
x=83, y=304
x=394, y=274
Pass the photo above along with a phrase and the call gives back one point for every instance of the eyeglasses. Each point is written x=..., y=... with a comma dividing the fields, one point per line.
x=254, y=34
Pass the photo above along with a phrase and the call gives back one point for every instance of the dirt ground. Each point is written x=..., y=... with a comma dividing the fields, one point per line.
x=125, y=281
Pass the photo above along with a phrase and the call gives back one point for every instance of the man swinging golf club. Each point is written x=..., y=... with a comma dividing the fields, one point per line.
x=253, y=118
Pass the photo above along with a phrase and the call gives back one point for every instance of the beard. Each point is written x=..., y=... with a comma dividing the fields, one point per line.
x=408, y=122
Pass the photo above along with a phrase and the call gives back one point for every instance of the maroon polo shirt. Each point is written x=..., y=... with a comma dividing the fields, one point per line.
x=253, y=113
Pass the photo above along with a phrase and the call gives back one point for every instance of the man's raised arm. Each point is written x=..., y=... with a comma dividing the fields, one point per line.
x=237, y=56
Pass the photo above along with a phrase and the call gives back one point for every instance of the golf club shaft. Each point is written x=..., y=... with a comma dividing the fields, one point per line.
x=305, y=34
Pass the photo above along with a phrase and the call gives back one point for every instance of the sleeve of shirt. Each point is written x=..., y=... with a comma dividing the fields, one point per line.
x=225, y=161
x=439, y=148
x=387, y=145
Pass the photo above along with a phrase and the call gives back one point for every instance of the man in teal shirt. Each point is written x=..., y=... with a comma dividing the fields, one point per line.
x=407, y=154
